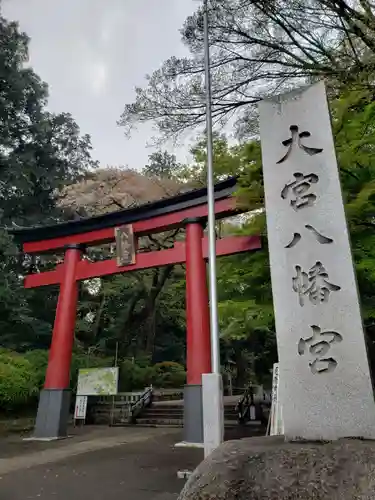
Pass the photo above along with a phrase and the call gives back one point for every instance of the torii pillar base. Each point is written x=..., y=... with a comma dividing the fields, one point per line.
x=53, y=414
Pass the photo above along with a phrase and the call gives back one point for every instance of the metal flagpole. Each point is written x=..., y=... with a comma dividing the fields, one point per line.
x=214, y=323
x=212, y=390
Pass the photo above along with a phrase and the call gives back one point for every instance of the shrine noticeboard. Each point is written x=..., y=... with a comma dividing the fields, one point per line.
x=97, y=381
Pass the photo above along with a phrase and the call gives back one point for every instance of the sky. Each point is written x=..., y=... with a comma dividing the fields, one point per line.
x=92, y=53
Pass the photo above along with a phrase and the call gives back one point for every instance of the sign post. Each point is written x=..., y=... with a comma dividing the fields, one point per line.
x=276, y=422
x=80, y=408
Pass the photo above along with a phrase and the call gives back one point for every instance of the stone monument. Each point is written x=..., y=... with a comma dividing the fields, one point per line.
x=326, y=391
x=326, y=388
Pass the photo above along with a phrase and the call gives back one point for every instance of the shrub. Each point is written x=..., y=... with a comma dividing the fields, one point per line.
x=22, y=375
x=39, y=361
x=173, y=380
x=171, y=375
x=163, y=375
x=131, y=377
x=169, y=367
x=18, y=380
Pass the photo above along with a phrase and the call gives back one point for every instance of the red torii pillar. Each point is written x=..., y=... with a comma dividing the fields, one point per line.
x=53, y=410
x=198, y=342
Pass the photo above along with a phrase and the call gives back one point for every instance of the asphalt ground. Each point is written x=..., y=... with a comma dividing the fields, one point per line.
x=98, y=464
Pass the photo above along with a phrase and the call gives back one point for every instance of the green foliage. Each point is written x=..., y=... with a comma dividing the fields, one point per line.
x=353, y=116
x=18, y=380
x=249, y=281
x=163, y=165
x=134, y=376
x=168, y=367
x=22, y=375
x=169, y=375
x=225, y=159
x=38, y=359
x=171, y=380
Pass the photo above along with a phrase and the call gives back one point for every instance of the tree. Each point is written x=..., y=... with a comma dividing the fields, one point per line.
x=226, y=161
x=258, y=47
x=352, y=120
x=111, y=189
x=39, y=152
x=248, y=339
x=245, y=300
x=126, y=308
x=162, y=165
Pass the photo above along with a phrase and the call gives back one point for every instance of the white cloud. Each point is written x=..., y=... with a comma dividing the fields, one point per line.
x=105, y=34
x=96, y=76
x=93, y=53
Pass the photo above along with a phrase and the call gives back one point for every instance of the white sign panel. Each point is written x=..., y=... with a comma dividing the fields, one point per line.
x=326, y=387
x=276, y=427
x=80, y=408
x=97, y=382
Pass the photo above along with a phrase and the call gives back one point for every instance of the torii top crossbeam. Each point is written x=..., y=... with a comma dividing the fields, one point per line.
x=146, y=219
x=149, y=218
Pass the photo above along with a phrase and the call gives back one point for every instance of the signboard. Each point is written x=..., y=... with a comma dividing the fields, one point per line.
x=80, y=408
x=97, y=381
x=125, y=245
x=276, y=426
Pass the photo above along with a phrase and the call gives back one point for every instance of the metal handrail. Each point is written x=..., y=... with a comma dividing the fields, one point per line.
x=244, y=404
x=144, y=400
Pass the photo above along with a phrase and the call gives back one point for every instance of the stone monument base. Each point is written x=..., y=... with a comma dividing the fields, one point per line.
x=263, y=468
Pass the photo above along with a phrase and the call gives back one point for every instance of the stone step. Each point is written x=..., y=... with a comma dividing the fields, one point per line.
x=167, y=417
x=168, y=422
x=157, y=409
x=168, y=405
x=172, y=396
x=161, y=416
x=154, y=425
x=231, y=415
x=175, y=409
x=174, y=422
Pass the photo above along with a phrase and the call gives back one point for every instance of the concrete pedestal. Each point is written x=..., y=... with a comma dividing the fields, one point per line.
x=213, y=411
x=193, y=414
x=53, y=414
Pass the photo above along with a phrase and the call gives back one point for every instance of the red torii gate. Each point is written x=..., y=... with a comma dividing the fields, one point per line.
x=184, y=210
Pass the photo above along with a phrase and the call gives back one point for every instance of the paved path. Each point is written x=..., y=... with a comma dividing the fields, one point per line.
x=115, y=464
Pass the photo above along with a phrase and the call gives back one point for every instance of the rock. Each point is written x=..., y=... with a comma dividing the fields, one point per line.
x=268, y=468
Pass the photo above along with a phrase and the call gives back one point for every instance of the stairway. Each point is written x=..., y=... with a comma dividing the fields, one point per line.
x=171, y=414
x=162, y=414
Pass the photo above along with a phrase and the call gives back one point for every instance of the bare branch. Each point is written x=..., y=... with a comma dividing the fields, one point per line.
x=258, y=47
